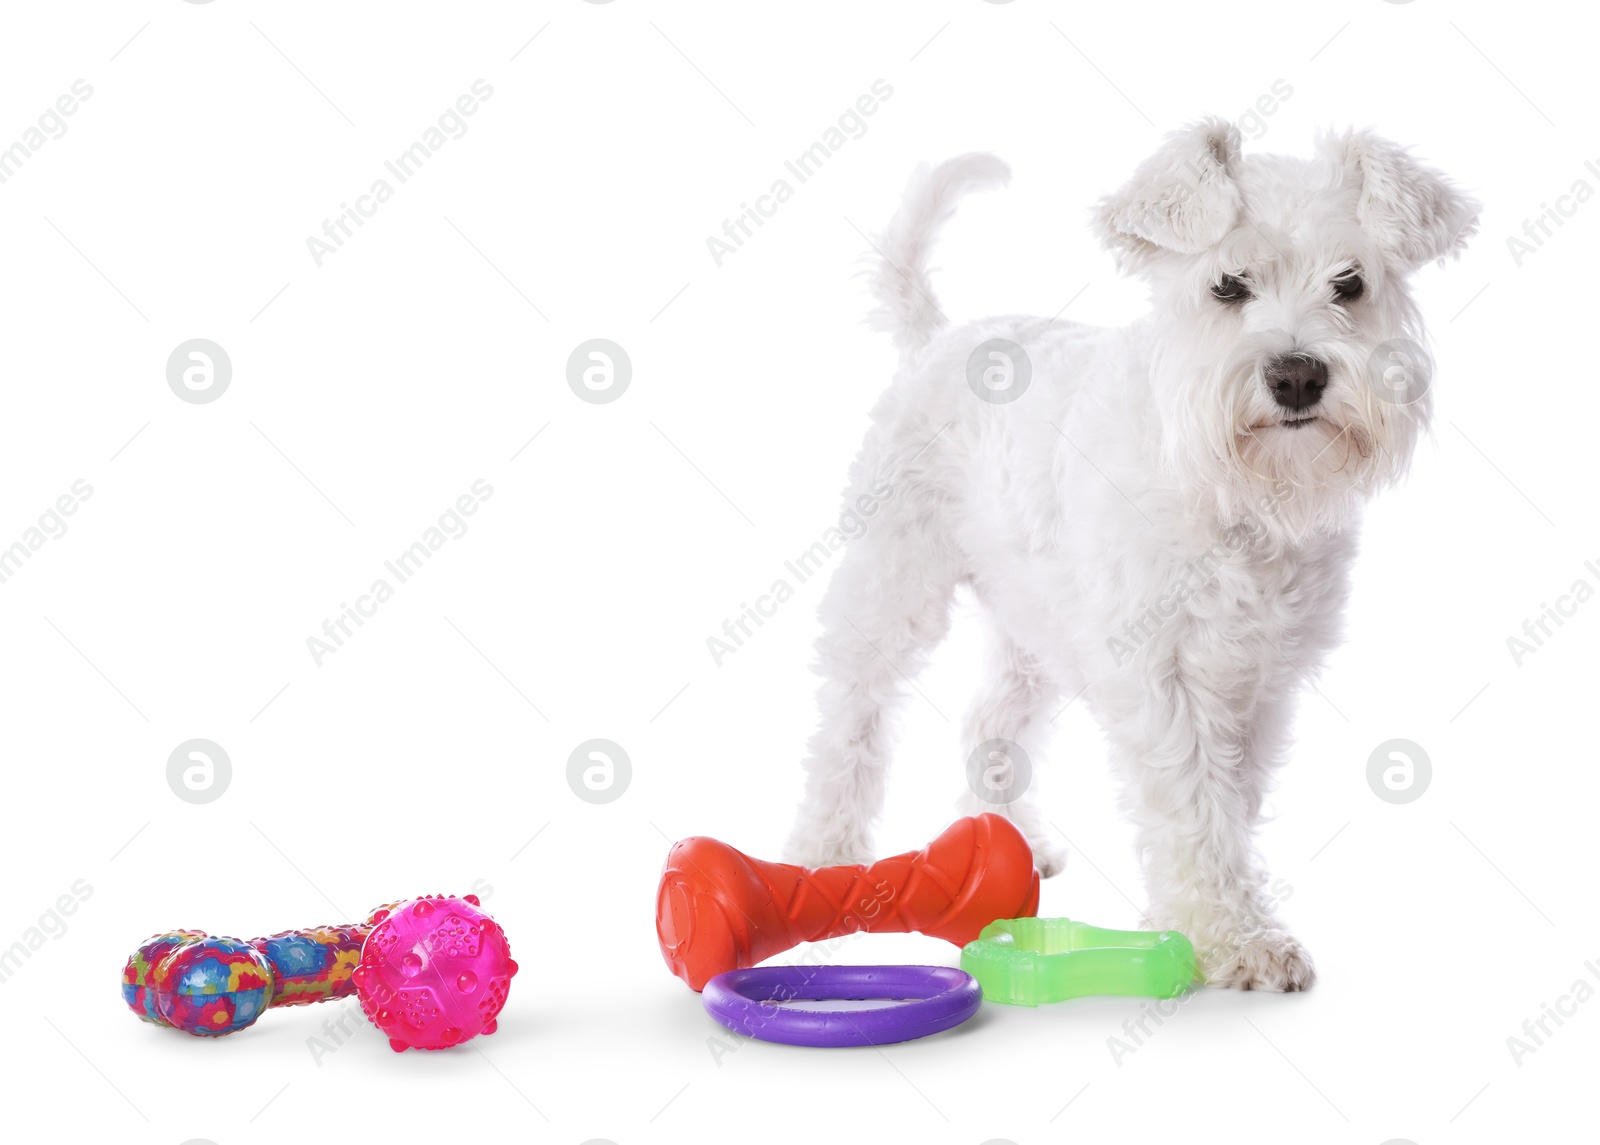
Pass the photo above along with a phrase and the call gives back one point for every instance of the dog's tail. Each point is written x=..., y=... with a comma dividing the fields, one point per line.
x=906, y=307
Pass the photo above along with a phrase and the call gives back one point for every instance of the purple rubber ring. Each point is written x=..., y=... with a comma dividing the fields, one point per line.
x=937, y=998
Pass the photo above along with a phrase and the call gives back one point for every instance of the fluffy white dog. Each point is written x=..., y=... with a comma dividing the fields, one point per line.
x=1160, y=518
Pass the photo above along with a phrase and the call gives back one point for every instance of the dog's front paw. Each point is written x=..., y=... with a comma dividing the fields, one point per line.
x=1271, y=961
x=1049, y=859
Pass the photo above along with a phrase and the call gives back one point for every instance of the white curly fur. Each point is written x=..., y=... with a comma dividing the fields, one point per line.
x=1139, y=525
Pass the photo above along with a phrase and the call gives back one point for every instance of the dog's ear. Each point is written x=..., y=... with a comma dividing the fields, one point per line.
x=1414, y=213
x=1183, y=198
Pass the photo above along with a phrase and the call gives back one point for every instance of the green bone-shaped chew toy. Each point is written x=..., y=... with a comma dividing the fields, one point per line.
x=1026, y=961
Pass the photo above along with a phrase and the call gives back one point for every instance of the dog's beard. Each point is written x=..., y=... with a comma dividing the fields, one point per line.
x=1291, y=475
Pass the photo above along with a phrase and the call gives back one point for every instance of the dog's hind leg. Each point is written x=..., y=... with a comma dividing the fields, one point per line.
x=886, y=608
x=1013, y=706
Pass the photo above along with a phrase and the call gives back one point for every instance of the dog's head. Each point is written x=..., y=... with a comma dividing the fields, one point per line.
x=1290, y=366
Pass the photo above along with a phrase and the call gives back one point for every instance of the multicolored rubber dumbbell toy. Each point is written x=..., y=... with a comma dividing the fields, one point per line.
x=430, y=972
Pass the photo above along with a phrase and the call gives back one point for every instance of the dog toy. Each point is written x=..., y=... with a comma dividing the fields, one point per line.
x=940, y=997
x=1025, y=961
x=719, y=910
x=429, y=972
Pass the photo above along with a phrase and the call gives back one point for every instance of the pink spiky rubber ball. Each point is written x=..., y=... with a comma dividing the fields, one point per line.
x=434, y=972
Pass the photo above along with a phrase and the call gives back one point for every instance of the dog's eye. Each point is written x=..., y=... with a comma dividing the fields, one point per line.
x=1348, y=287
x=1230, y=289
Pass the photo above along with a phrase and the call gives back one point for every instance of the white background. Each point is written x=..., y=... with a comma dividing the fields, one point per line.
x=369, y=393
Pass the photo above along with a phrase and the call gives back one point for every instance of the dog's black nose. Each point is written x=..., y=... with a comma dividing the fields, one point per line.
x=1296, y=381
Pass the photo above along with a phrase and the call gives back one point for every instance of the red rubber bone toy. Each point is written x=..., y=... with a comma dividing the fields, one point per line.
x=718, y=909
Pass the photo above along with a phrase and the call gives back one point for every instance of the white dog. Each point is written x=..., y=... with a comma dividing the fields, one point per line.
x=1160, y=517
